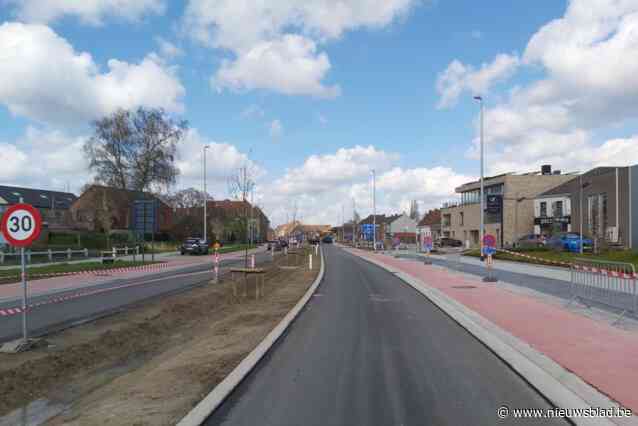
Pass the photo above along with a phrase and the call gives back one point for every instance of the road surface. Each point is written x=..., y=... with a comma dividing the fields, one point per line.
x=55, y=313
x=370, y=350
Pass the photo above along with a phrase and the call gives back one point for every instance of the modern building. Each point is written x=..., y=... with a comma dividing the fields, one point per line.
x=512, y=218
x=608, y=206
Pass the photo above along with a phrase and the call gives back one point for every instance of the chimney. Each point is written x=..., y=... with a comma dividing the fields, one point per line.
x=546, y=169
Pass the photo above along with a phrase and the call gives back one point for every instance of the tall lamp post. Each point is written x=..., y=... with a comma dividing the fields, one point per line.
x=205, y=193
x=482, y=228
x=374, y=210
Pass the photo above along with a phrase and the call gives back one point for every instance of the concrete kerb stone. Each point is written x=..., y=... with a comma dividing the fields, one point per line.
x=216, y=397
x=561, y=387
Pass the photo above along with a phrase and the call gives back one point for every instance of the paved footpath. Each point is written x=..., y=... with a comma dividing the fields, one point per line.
x=602, y=355
x=53, y=285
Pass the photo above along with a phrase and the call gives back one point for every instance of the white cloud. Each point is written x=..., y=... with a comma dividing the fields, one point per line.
x=459, y=78
x=276, y=48
x=335, y=180
x=167, y=49
x=59, y=158
x=91, y=12
x=590, y=60
x=289, y=65
x=43, y=78
x=276, y=129
x=223, y=160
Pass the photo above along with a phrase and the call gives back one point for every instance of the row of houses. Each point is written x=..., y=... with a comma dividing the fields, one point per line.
x=391, y=228
x=112, y=210
x=602, y=203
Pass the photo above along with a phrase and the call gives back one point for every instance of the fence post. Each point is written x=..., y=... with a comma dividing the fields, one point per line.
x=50, y=255
x=86, y=252
x=126, y=250
x=1, y=257
x=137, y=250
x=310, y=261
x=29, y=256
x=114, y=252
x=69, y=254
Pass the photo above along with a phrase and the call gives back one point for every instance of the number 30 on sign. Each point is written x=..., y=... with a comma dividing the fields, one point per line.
x=21, y=225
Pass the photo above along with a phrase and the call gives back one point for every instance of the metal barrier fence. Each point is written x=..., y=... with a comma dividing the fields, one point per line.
x=613, y=284
x=49, y=253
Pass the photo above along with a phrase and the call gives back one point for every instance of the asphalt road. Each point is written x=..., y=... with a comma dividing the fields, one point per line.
x=121, y=294
x=370, y=350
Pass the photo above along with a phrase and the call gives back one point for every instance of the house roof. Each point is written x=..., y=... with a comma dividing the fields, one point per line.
x=119, y=195
x=432, y=217
x=39, y=198
x=392, y=218
x=566, y=187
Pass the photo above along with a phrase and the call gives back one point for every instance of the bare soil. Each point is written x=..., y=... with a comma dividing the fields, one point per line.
x=152, y=364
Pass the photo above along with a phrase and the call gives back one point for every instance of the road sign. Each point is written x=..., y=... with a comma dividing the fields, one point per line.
x=145, y=216
x=21, y=225
x=489, y=240
x=489, y=251
x=427, y=241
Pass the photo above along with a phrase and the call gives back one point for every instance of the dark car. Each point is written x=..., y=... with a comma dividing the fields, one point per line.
x=449, y=242
x=569, y=242
x=531, y=240
x=327, y=239
x=194, y=246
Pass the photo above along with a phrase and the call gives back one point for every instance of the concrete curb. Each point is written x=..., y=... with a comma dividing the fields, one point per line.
x=217, y=396
x=561, y=387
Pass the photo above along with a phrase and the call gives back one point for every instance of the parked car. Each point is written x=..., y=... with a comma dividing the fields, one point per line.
x=274, y=245
x=449, y=242
x=569, y=242
x=194, y=246
x=327, y=239
x=531, y=240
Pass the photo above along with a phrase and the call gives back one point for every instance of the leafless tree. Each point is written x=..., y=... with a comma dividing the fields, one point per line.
x=240, y=186
x=135, y=150
x=187, y=198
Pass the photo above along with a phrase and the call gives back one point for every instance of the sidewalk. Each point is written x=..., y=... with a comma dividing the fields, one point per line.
x=603, y=356
x=64, y=283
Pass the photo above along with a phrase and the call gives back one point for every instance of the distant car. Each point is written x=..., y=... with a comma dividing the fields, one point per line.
x=194, y=246
x=274, y=245
x=449, y=242
x=327, y=239
x=531, y=240
x=569, y=242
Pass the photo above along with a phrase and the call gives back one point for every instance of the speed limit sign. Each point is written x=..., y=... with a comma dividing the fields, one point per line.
x=21, y=225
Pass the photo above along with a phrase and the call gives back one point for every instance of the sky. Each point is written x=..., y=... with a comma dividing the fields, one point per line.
x=316, y=94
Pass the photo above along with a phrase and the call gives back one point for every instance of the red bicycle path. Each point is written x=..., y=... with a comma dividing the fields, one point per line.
x=600, y=354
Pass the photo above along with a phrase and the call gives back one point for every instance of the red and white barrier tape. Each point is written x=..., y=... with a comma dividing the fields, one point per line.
x=601, y=271
x=95, y=271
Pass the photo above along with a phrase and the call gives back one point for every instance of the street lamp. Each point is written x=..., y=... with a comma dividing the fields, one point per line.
x=580, y=199
x=482, y=229
x=374, y=210
x=205, y=193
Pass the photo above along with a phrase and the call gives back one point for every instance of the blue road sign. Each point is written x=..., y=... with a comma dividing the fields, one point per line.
x=489, y=251
x=145, y=214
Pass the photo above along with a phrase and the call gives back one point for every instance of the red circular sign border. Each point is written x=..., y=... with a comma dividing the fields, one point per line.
x=38, y=225
x=489, y=240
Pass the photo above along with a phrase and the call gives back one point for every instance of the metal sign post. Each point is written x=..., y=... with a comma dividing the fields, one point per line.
x=489, y=249
x=21, y=226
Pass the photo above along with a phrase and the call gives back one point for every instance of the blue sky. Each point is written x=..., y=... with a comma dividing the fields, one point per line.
x=396, y=95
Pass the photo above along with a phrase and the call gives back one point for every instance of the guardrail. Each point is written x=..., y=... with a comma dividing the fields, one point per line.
x=49, y=253
x=123, y=250
x=613, y=284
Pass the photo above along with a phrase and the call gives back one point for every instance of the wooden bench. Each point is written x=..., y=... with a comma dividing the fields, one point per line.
x=259, y=279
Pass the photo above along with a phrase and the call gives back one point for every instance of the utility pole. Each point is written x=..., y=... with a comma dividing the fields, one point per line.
x=343, y=226
x=354, y=222
x=205, y=193
x=482, y=229
x=374, y=210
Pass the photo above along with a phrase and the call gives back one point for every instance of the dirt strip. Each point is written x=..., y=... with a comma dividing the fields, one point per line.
x=150, y=365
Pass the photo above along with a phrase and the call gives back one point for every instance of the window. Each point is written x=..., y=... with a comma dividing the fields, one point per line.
x=543, y=209
x=558, y=209
x=461, y=218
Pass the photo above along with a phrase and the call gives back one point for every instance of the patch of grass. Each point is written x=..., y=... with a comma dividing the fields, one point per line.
x=8, y=274
x=563, y=256
x=235, y=247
